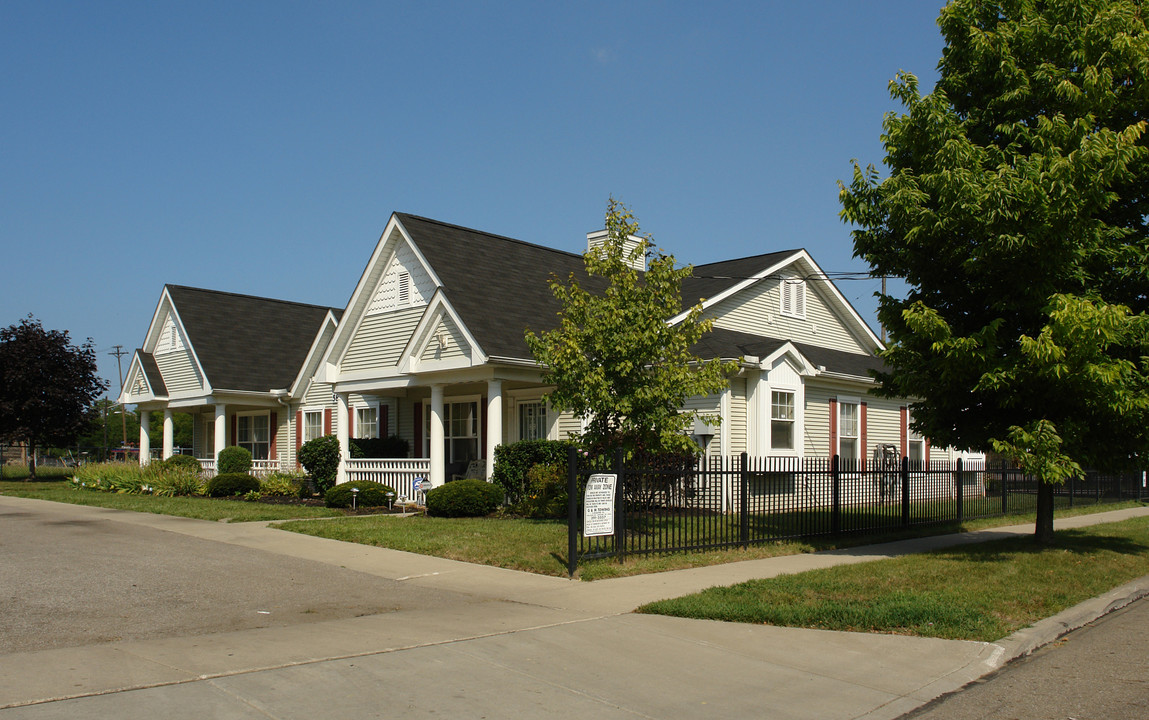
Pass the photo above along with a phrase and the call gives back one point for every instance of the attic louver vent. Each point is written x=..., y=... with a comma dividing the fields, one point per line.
x=404, y=288
x=793, y=298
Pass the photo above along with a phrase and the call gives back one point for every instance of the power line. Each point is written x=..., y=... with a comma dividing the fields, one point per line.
x=119, y=353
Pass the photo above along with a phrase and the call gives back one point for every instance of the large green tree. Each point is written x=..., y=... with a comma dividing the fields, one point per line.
x=1015, y=208
x=614, y=358
x=47, y=386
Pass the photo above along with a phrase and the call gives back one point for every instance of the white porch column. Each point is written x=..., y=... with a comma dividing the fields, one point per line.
x=169, y=433
x=343, y=432
x=494, y=422
x=757, y=414
x=220, y=431
x=438, y=465
x=145, y=441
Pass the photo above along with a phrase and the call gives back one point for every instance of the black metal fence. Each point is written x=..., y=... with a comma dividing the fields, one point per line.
x=720, y=502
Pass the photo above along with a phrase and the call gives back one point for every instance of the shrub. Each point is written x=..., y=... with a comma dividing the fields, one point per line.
x=182, y=462
x=320, y=457
x=234, y=459
x=546, y=493
x=371, y=494
x=512, y=462
x=464, y=498
x=388, y=447
x=230, y=484
x=282, y=483
x=179, y=481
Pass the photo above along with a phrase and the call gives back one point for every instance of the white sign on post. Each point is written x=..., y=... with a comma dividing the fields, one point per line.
x=598, y=505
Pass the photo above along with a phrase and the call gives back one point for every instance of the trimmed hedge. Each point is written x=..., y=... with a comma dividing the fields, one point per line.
x=182, y=462
x=388, y=447
x=514, y=461
x=464, y=498
x=371, y=494
x=230, y=484
x=320, y=458
x=234, y=459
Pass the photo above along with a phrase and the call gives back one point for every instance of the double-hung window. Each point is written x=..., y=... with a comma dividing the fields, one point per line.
x=916, y=450
x=312, y=424
x=782, y=420
x=460, y=431
x=367, y=422
x=252, y=432
x=849, y=425
x=533, y=420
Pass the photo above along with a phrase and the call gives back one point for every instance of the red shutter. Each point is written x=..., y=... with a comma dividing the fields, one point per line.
x=418, y=449
x=298, y=435
x=274, y=430
x=905, y=431
x=384, y=428
x=862, y=439
x=327, y=421
x=233, y=430
x=927, y=453
x=833, y=427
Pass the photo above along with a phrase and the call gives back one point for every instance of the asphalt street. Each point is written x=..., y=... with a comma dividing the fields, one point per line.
x=1098, y=672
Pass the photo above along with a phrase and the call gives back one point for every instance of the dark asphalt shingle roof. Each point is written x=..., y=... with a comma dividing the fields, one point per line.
x=714, y=278
x=152, y=373
x=245, y=342
x=724, y=343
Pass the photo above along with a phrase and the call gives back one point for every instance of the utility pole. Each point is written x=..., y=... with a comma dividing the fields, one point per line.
x=119, y=353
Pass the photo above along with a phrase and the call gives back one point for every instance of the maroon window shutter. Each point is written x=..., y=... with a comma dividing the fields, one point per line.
x=905, y=430
x=274, y=430
x=233, y=423
x=298, y=435
x=833, y=427
x=862, y=436
x=418, y=430
x=927, y=453
x=384, y=429
x=327, y=421
x=351, y=429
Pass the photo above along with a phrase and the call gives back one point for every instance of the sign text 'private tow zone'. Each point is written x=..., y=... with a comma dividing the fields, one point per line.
x=598, y=505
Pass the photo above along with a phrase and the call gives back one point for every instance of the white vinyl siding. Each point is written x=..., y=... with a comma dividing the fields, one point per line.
x=883, y=424
x=568, y=425
x=404, y=284
x=179, y=372
x=816, y=426
x=755, y=310
x=457, y=345
x=380, y=340
x=737, y=419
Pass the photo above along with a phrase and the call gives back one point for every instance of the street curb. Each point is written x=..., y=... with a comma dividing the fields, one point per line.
x=1025, y=641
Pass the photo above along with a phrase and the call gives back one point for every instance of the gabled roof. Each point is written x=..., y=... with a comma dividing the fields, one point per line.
x=245, y=342
x=152, y=373
x=724, y=343
x=714, y=278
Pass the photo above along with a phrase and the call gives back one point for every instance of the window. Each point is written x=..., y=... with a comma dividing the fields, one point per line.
x=782, y=420
x=533, y=421
x=793, y=298
x=848, y=426
x=917, y=444
x=208, y=437
x=460, y=431
x=367, y=422
x=312, y=424
x=253, y=434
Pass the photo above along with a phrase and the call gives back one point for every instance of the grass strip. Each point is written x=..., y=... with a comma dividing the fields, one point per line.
x=200, y=508
x=974, y=592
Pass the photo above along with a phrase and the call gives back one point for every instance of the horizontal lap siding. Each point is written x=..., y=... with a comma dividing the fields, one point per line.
x=456, y=346
x=737, y=418
x=179, y=372
x=747, y=311
x=817, y=425
x=568, y=425
x=380, y=340
x=883, y=423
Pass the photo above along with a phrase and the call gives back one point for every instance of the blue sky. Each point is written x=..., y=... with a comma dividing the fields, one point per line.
x=260, y=147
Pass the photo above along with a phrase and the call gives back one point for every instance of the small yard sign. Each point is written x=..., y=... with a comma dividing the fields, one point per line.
x=598, y=505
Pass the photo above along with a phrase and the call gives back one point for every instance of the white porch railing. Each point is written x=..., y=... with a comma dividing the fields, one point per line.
x=259, y=468
x=399, y=473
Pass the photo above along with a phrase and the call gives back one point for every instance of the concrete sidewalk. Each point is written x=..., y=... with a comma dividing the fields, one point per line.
x=522, y=645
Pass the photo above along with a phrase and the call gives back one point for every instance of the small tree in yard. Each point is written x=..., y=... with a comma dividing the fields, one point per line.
x=47, y=387
x=614, y=358
x=320, y=458
x=1015, y=210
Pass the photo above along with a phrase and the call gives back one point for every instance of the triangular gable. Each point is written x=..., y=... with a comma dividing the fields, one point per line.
x=314, y=356
x=793, y=357
x=378, y=289
x=799, y=264
x=167, y=341
x=440, y=341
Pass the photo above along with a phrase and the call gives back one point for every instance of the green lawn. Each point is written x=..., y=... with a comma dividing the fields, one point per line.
x=976, y=592
x=192, y=507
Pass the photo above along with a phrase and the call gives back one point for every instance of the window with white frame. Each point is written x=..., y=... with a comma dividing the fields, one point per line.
x=367, y=422
x=793, y=293
x=312, y=424
x=533, y=420
x=208, y=436
x=849, y=425
x=460, y=431
x=783, y=420
x=253, y=433
x=916, y=450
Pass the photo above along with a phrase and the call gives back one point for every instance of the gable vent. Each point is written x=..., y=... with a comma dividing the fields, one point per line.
x=404, y=288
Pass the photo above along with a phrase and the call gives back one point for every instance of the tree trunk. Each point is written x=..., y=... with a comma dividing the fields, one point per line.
x=31, y=460
x=1043, y=532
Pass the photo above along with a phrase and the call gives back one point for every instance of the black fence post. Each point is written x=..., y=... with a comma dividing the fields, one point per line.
x=836, y=497
x=905, y=475
x=744, y=501
x=959, y=492
x=619, y=506
x=572, y=512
